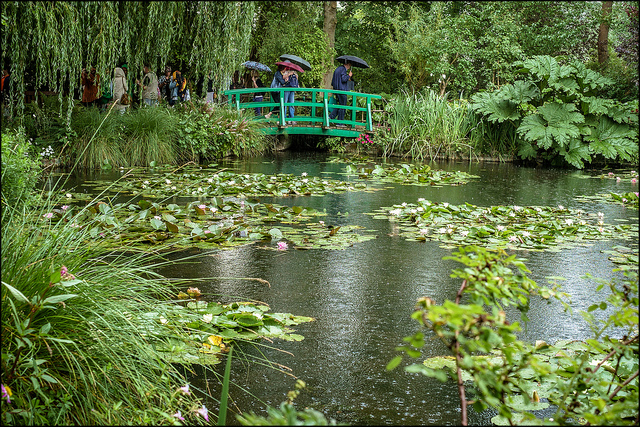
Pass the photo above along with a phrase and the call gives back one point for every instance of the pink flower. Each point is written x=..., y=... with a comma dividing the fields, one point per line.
x=282, y=246
x=6, y=393
x=610, y=173
x=65, y=207
x=48, y=215
x=185, y=389
x=203, y=207
x=203, y=411
x=618, y=179
x=179, y=416
x=633, y=180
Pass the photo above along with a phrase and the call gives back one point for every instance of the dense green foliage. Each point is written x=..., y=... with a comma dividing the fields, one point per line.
x=294, y=28
x=557, y=114
x=513, y=376
x=20, y=171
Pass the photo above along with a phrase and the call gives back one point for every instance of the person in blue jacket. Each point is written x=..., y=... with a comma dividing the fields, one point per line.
x=341, y=76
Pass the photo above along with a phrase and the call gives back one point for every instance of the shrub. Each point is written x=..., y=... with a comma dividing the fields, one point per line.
x=559, y=117
x=20, y=171
x=149, y=134
x=209, y=131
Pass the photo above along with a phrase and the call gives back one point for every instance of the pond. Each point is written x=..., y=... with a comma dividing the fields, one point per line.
x=361, y=297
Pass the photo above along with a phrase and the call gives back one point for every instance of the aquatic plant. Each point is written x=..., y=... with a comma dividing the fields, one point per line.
x=515, y=227
x=409, y=174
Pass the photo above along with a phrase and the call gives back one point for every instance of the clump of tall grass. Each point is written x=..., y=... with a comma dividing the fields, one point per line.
x=98, y=140
x=148, y=134
x=74, y=350
x=426, y=126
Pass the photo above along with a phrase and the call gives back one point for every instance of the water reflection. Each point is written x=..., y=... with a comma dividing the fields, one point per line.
x=362, y=297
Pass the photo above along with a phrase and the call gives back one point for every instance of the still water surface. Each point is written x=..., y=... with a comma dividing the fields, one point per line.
x=362, y=297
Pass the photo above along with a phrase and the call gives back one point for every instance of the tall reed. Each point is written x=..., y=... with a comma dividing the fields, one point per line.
x=427, y=126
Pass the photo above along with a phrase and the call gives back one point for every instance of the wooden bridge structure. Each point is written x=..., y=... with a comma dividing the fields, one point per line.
x=312, y=108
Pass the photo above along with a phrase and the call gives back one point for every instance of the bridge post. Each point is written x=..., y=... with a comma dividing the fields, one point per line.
x=369, y=118
x=325, y=115
x=282, y=108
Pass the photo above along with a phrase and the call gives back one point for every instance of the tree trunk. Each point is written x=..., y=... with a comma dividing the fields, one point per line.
x=329, y=28
x=603, y=34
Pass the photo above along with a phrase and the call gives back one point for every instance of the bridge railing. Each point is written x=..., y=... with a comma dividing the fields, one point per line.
x=315, y=101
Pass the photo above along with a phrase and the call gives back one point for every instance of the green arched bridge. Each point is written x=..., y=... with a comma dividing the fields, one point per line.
x=312, y=108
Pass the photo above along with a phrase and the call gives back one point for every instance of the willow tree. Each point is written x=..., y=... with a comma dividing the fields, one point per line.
x=52, y=41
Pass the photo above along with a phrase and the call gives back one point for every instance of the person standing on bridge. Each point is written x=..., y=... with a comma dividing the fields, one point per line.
x=278, y=81
x=341, y=76
x=292, y=81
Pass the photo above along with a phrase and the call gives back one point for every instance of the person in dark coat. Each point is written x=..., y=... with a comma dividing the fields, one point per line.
x=279, y=80
x=341, y=76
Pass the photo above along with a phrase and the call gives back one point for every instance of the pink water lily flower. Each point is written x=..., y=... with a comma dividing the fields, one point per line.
x=633, y=180
x=282, y=246
x=48, y=215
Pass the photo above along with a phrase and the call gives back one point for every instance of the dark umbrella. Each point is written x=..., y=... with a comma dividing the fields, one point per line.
x=354, y=60
x=253, y=65
x=290, y=65
x=296, y=60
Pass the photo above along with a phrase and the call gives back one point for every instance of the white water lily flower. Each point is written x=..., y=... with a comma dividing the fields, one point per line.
x=305, y=180
x=413, y=211
x=421, y=199
x=424, y=231
x=420, y=209
x=464, y=233
x=167, y=181
x=569, y=221
x=209, y=180
x=146, y=182
x=304, y=174
x=69, y=195
x=173, y=188
x=144, y=186
x=207, y=318
x=517, y=208
x=404, y=204
x=231, y=182
x=600, y=215
x=539, y=209
x=442, y=230
x=199, y=189
x=560, y=207
x=445, y=204
x=163, y=320
x=500, y=227
x=325, y=182
x=513, y=238
x=526, y=234
x=395, y=212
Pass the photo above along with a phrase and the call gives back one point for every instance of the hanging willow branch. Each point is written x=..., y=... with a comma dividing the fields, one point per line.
x=46, y=44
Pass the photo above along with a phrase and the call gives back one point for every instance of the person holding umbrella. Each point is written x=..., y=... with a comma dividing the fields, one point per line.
x=341, y=76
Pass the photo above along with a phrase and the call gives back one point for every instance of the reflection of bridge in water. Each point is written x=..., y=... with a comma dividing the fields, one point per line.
x=312, y=109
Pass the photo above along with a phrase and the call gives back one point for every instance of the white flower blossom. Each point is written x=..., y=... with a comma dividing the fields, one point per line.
x=207, y=318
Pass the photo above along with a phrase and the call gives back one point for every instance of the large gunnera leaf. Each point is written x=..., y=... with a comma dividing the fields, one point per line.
x=612, y=139
x=553, y=122
x=576, y=153
x=497, y=109
x=520, y=92
x=542, y=66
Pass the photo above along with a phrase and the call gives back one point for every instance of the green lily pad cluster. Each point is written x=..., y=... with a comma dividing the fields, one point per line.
x=629, y=200
x=212, y=327
x=218, y=224
x=515, y=227
x=623, y=175
x=409, y=174
x=210, y=183
x=625, y=258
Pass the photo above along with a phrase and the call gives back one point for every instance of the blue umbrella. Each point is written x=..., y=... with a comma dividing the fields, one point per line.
x=253, y=65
